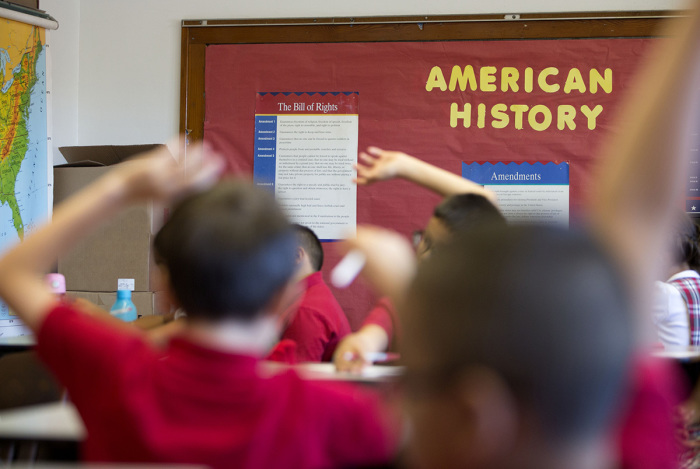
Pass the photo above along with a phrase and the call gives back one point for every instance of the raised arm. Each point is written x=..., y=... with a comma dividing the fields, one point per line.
x=155, y=176
x=381, y=165
x=389, y=267
x=641, y=179
x=390, y=261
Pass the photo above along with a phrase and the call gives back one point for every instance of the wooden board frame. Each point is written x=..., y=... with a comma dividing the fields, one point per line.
x=198, y=34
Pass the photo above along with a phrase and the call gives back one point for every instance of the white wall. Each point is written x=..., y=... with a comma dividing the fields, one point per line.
x=116, y=63
x=64, y=74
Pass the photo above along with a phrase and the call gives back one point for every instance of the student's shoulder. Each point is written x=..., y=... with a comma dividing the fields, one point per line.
x=64, y=316
x=318, y=297
x=68, y=327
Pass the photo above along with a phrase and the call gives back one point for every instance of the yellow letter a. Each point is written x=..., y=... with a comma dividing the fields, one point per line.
x=436, y=79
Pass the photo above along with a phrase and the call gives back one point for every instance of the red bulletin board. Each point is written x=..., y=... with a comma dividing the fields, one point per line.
x=409, y=100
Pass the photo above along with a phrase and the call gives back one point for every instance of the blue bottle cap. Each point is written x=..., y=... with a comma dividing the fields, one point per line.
x=123, y=294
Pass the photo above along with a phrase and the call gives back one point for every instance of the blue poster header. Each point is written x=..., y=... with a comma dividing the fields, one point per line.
x=265, y=155
x=489, y=174
x=692, y=206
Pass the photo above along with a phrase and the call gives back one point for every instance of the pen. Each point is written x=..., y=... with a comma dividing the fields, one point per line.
x=374, y=357
x=347, y=269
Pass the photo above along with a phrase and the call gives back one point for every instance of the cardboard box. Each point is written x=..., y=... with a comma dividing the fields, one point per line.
x=122, y=248
x=33, y=4
x=147, y=303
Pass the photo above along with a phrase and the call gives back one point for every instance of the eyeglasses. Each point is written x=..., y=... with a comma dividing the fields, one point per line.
x=417, y=237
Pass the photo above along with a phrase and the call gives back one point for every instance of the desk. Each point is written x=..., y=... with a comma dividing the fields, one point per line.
x=687, y=359
x=690, y=353
x=60, y=421
x=16, y=344
x=57, y=421
x=328, y=372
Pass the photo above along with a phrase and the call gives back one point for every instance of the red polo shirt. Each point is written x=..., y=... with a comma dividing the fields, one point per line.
x=319, y=323
x=384, y=315
x=192, y=404
x=647, y=437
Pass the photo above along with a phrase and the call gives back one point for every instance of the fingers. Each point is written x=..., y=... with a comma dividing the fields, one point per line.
x=176, y=147
x=158, y=175
x=353, y=363
x=376, y=151
x=361, y=178
x=200, y=168
x=193, y=155
x=376, y=164
x=205, y=175
x=349, y=357
x=366, y=158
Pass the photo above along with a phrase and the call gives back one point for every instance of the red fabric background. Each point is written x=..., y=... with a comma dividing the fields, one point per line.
x=396, y=111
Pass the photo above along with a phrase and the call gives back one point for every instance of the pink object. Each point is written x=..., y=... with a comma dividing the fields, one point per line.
x=57, y=283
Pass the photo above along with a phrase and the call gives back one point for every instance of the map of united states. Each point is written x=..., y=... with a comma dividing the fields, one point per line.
x=19, y=77
x=25, y=169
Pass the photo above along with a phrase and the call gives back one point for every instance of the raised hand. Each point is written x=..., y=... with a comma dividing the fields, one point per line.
x=376, y=165
x=352, y=352
x=379, y=165
x=153, y=176
x=390, y=261
x=157, y=175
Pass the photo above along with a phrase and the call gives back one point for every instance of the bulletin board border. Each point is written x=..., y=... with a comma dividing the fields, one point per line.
x=198, y=34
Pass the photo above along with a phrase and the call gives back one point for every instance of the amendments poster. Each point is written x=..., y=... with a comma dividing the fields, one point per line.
x=527, y=192
x=305, y=146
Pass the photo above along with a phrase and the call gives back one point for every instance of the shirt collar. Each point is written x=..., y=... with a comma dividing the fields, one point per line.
x=313, y=279
x=684, y=274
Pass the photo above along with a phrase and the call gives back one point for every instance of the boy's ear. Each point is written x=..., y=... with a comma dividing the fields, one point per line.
x=300, y=254
x=489, y=414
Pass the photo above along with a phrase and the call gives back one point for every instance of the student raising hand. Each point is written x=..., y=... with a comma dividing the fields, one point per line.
x=155, y=175
x=381, y=165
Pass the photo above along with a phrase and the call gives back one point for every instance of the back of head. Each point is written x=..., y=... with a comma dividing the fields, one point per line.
x=542, y=307
x=686, y=237
x=227, y=250
x=310, y=243
x=468, y=211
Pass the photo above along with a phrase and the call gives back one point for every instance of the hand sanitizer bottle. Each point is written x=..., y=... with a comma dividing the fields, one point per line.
x=123, y=308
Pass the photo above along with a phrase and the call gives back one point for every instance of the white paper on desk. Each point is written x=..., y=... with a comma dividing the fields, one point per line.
x=328, y=372
x=13, y=328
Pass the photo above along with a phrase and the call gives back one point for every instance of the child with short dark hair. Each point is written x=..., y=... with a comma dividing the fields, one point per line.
x=466, y=206
x=228, y=253
x=483, y=339
x=319, y=322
